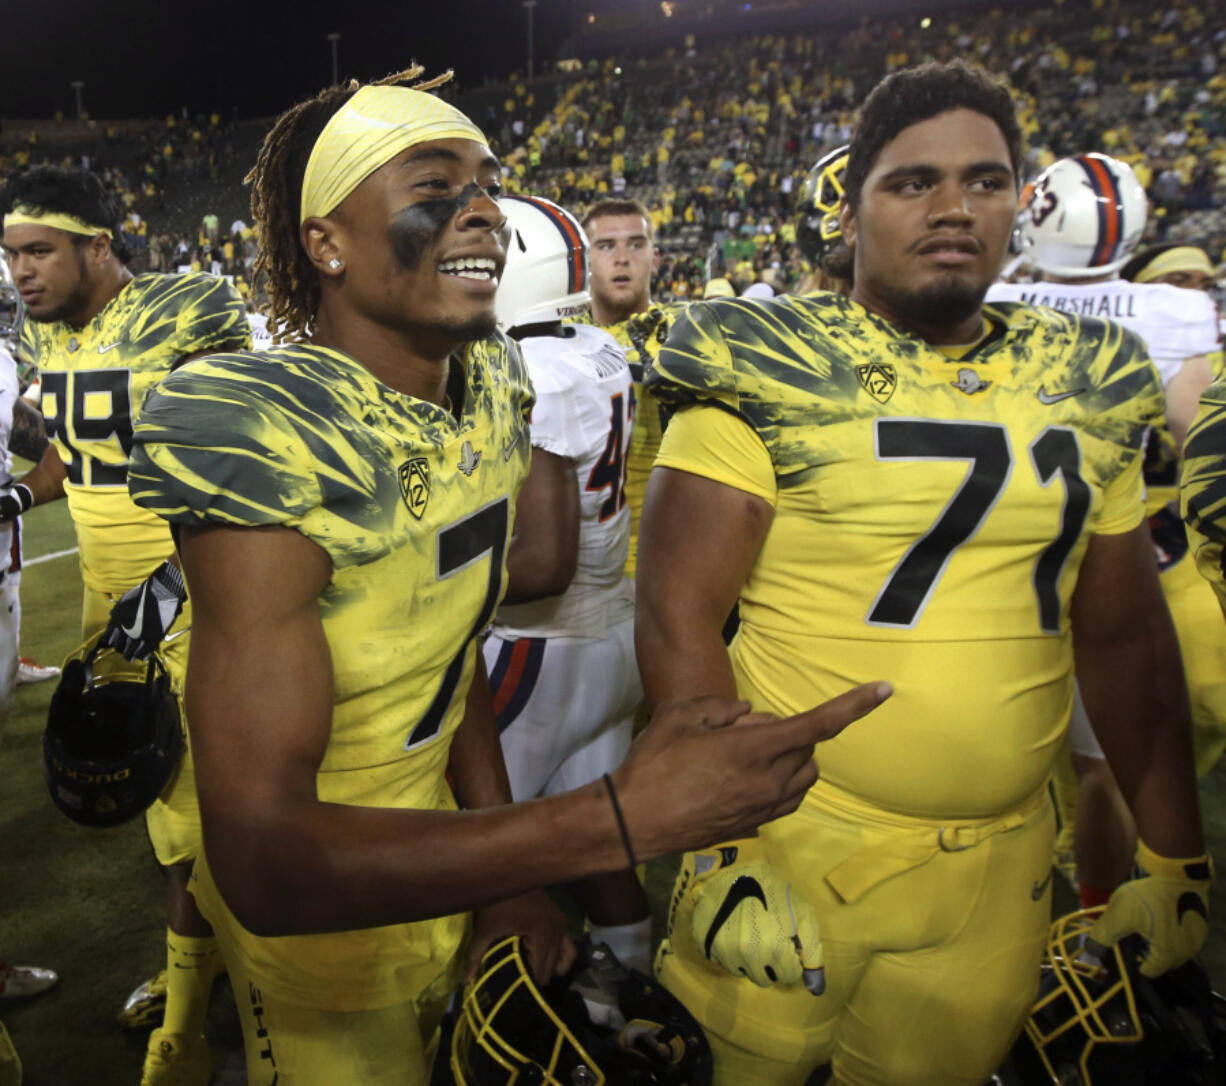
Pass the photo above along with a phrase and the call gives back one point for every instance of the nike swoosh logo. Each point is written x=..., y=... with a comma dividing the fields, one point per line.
x=744, y=888
x=175, y=636
x=1190, y=903
x=1046, y=397
x=138, y=624
x=1040, y=888
x=509, y=447
x=103, y=350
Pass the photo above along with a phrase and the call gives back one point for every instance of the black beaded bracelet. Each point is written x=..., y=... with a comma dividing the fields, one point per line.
x=621, y=821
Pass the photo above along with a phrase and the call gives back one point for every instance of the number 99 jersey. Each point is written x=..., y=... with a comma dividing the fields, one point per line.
x=94, y=380
x=931, y=511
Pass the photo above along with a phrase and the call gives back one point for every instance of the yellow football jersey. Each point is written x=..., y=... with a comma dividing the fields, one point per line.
x=930, y=517
x=1203, y=488
x=414, y=506
x=93, y=382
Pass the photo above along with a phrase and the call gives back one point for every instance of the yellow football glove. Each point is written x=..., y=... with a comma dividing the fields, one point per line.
x=747, y=919
x=1168, y=907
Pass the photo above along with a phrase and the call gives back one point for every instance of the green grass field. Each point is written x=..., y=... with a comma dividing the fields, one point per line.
x=89, y=902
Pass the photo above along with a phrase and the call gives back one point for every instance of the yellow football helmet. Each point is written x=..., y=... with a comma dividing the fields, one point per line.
x=821, y=195
x=602, y=1024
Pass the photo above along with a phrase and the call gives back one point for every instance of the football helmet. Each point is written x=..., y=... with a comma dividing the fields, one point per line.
x=12, y=311
x=817, y=228
x=112, y=739
x=1098, y=1022
x=603, y=1023
x=546, y=274
x=1085, y=217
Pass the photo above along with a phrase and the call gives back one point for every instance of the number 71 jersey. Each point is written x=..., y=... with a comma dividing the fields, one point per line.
x=931, y=513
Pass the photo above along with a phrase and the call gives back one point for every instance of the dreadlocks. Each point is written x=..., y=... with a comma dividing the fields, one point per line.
x=276, y=200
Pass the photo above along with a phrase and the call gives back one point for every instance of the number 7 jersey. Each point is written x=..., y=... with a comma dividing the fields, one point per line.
x=931, y=513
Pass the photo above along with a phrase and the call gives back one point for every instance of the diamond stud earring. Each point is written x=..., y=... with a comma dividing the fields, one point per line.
x=334, y=264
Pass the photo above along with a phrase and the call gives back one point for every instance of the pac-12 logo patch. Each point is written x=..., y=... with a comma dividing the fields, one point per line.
x=878, y=379
x=415, y=485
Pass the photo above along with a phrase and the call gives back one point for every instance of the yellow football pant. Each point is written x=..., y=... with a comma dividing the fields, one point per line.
x=173, y=820
x=929, y=933
x=1202, y=643
x=299, y=1046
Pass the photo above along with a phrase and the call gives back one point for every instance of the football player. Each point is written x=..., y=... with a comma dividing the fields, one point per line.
x=1079, y=229
x=624, y=258
x=343, y=505
x=879, y=482
x=21, y=432
x=1203, y=489
x=1174, y=263
x=561, y=655
x=100, y=338
x=818, y=233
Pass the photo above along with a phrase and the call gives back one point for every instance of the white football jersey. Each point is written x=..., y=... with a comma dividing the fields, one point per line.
x=585, y=412
x=1174, y=323
x=10, y=389
x=261, y=335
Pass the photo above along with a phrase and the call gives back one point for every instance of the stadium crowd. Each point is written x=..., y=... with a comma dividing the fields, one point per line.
x=718, y=161
x=413, y=396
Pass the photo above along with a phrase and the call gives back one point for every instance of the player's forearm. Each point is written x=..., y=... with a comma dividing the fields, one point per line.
x=1137, y=700
x=476, y=767
x=681, y=651
x=28, y=438
x=46, y=478
x=540, y=566
x=677, y=663
x=311, y=867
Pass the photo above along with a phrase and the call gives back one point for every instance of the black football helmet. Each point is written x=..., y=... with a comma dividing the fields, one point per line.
x=603, y=1023
x=1098, y=1022
x=112, y=739
x=817, y=206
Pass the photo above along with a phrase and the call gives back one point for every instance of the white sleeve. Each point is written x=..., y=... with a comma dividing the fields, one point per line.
x=1187, y=325
x=557, y=422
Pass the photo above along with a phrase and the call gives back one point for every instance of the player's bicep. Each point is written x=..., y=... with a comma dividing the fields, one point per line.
x=1117, y=587
x=698, y=540
x=544, y=548
x=1183, y=393
x=259, y=683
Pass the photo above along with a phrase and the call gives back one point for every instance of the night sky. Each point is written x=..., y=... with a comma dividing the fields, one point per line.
x=143, y=58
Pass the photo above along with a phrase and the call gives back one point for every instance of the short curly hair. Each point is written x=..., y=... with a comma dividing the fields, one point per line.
x=917, y=94
x=56, y=189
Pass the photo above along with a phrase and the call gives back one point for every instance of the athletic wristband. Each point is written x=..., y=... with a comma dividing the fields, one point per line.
x=1194, y=868
x=621, y=822
x=24, y=495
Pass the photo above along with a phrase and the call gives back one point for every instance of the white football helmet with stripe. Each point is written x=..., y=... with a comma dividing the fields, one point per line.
x=546, y=274
x=1085, y=217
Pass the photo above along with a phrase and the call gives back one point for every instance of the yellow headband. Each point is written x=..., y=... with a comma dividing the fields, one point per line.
x=371, y=129
x=1184, y=258
x=28, y=216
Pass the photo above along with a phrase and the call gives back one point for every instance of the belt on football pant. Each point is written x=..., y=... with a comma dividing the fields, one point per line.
x=870, y=867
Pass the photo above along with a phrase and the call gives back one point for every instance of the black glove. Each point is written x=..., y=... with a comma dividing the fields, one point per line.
x=143, y=614
x=15, y=502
